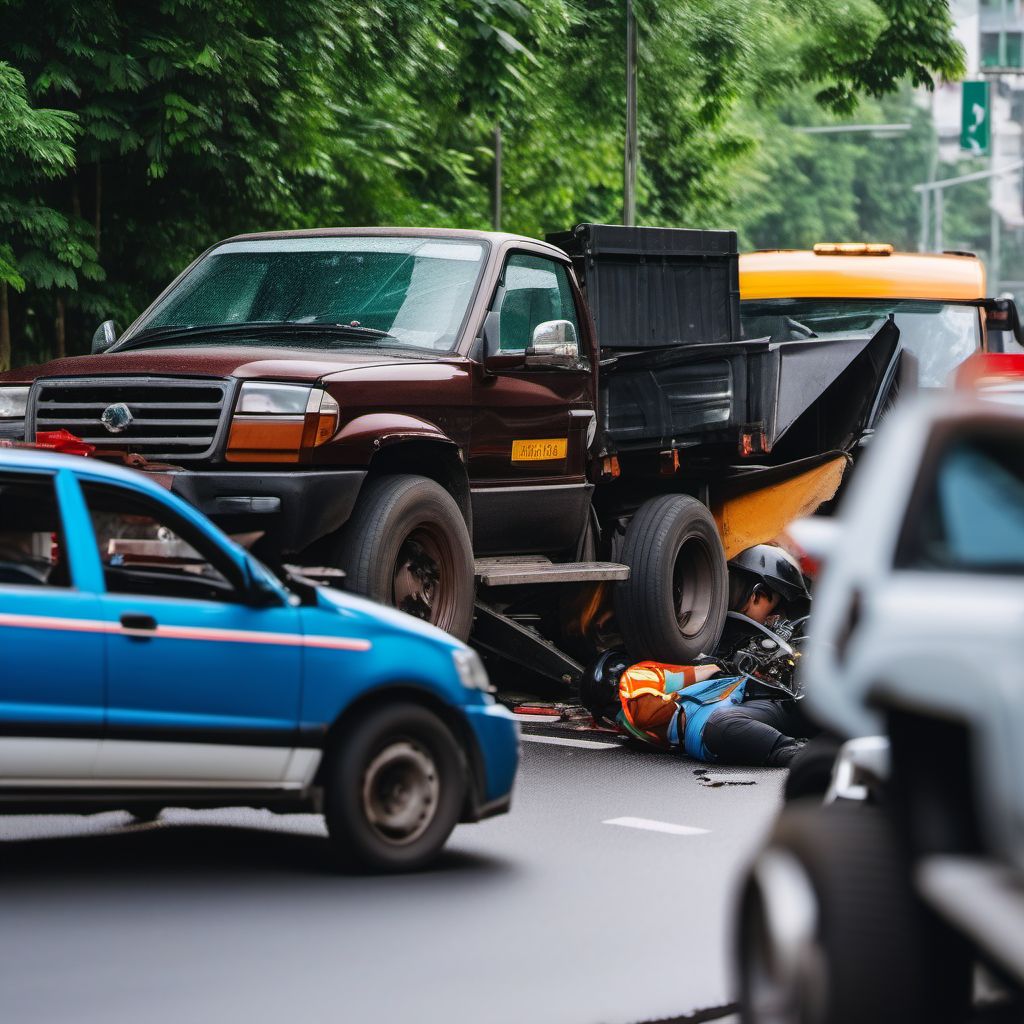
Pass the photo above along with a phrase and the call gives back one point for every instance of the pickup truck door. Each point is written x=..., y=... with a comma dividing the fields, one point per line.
x=203, y=688
x=528, y=447
x=51, y=668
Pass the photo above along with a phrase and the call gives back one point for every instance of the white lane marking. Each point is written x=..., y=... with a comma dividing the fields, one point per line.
x=534, y=719
x=657, y=826
x=565, y=741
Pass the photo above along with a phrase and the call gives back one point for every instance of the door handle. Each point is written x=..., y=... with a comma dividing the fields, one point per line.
x=132, y=620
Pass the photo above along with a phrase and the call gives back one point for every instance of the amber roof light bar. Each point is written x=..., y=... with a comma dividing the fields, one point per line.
x=853, y=249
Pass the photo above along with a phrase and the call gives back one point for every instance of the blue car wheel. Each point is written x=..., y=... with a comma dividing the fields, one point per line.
x=394, y=788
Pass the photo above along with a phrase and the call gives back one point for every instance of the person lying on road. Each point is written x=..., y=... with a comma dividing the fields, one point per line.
x=739, y=707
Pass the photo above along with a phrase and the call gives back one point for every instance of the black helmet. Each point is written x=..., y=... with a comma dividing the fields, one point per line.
x=599, y=685
x=776, y=568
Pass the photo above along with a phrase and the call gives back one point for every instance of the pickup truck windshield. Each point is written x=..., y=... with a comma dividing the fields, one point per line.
x=941, y=335
x=391, y=291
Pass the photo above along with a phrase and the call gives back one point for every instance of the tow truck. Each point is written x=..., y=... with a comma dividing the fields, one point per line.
x=938, y=300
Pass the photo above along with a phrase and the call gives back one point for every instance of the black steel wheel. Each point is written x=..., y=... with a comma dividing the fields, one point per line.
x=407, y=545
x=394, y=785
x=672, y=607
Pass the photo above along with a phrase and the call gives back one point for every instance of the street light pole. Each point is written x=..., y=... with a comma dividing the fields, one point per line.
x=843, y=129
x=994, y=255
x=939, y=188
x=629, y=176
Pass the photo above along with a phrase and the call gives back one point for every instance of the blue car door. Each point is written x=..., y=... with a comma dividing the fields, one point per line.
x=203, y=686
x=51, y=635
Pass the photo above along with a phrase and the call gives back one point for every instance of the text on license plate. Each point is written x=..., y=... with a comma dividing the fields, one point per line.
x=539, y=451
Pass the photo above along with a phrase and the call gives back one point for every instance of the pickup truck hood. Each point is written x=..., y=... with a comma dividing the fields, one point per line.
x=244, y=362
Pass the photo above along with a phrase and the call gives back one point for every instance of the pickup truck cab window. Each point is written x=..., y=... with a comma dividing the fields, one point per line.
x=372, y=290
x=31, y=552
x=535, y=290
x=145, y=551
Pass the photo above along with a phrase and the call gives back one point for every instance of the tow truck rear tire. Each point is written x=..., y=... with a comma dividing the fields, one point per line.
x=672, y=607
x=394, y=786
x=407, y=546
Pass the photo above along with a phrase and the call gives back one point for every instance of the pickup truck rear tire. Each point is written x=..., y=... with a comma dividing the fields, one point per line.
x=672, y=607
x=407, y=546
x=394, y=785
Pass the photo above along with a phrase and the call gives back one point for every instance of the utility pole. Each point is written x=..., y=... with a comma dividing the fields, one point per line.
x=629, y=182
x=496, y=207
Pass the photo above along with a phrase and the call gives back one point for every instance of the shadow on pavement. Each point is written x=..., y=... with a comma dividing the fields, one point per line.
x=167, y=851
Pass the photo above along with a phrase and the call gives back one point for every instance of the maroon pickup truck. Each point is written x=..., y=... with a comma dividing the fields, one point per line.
x=431, y=412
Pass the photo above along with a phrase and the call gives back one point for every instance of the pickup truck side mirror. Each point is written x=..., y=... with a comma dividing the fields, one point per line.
x=1001, y=316
x=554, y=343
x=104, y=337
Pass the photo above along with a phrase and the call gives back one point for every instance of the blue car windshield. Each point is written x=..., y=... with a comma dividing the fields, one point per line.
x=386, y=291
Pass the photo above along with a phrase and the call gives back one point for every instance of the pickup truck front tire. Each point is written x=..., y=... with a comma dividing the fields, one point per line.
x=406, y=545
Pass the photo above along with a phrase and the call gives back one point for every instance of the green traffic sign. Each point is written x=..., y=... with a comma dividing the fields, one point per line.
x=975, y=118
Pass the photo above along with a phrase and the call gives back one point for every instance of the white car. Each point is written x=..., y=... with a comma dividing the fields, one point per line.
x=875, y=905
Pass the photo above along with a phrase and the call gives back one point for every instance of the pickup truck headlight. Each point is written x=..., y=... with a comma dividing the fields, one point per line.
x=471, y=671
x=13, y=403
x=280, y=422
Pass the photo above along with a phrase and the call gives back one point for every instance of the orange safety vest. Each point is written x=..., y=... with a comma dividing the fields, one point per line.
x=649, y=693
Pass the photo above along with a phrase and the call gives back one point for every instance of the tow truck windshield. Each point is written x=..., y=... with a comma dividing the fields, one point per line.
x=940, y=335
x=365, y=290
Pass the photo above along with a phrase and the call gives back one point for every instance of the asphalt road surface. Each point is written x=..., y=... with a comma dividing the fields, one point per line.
x=603, y=898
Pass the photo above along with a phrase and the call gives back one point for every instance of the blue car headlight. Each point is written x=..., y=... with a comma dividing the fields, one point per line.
x=471, y=671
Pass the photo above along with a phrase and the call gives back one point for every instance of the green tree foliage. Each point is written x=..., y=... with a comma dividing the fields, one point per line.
x=810, y=188
x=146, y=131
x=40, y=247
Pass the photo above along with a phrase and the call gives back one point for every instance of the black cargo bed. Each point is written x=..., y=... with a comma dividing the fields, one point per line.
x=793, y=399
x=652, y=287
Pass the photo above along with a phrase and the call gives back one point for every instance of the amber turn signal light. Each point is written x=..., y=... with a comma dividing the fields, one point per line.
x=280, y=422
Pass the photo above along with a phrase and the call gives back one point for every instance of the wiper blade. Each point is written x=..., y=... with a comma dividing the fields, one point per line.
x=354, y=327
x=158, y=334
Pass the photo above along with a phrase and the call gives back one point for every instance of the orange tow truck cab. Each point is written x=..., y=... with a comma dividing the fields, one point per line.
x=937, y=300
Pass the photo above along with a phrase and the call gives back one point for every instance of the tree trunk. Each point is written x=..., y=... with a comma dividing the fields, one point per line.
x=5, y=330
x=59, y=332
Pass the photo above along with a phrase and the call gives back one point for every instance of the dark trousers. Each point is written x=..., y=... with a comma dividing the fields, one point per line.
x=754, y=732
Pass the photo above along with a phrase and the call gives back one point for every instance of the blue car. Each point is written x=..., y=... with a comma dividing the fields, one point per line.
x=146, y=660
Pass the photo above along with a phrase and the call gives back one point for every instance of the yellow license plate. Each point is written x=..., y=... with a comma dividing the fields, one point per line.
x=540, y=451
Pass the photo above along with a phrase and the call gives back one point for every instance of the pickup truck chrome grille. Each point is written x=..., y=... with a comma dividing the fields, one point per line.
x=169, y=419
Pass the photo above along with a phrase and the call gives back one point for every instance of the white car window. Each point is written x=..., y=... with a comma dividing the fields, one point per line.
x=973, y=518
